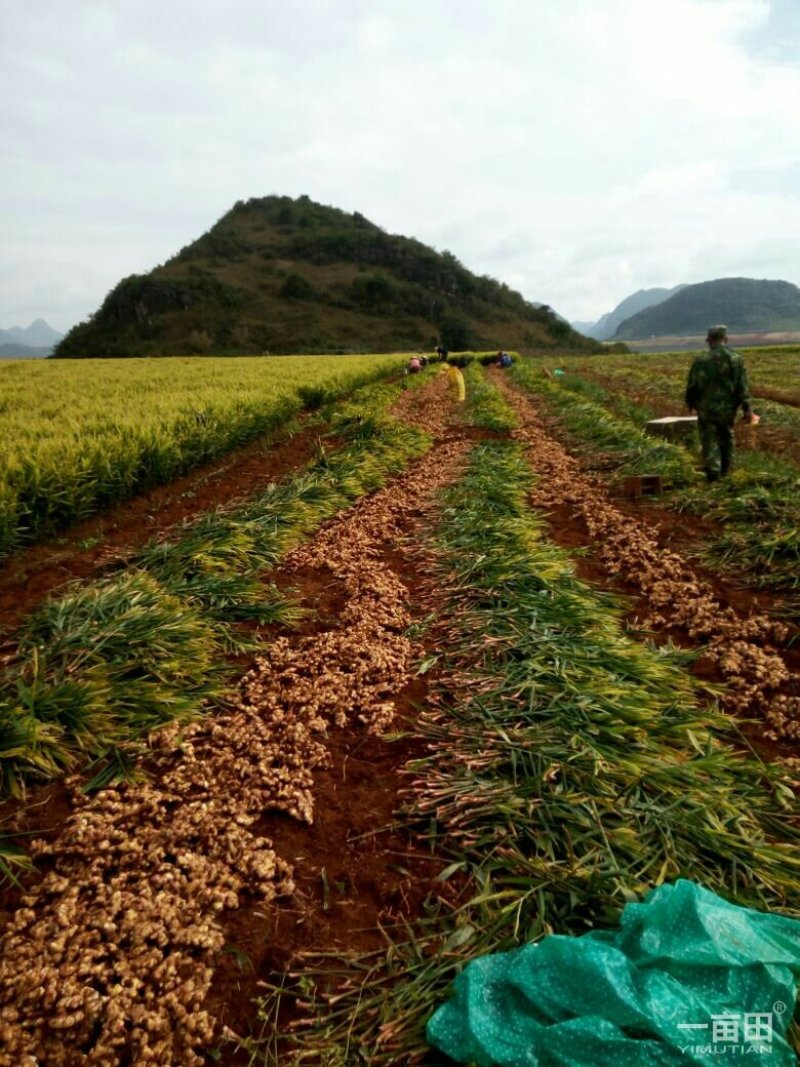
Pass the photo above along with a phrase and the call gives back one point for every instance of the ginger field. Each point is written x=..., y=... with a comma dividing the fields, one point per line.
x=648, y=386
x=403, y=681
x=79, y=436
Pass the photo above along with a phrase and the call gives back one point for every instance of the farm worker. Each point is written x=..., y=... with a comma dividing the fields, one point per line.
x=414, y=365
x=717, y=387
x=458, y=378
x=503, y=359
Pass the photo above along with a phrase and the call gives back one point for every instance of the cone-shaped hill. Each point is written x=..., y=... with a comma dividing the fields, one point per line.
x=281, y=275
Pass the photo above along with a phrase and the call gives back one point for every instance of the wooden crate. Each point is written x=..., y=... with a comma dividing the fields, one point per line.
x=637, y=485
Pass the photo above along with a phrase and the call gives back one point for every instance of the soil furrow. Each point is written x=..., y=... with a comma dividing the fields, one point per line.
x=746, y=650
x=108, y=539
x=110, y=956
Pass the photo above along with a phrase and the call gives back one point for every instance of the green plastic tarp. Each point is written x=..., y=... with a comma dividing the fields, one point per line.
x=687, y=979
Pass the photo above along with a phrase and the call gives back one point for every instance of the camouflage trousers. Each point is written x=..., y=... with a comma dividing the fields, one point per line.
x=716, y=443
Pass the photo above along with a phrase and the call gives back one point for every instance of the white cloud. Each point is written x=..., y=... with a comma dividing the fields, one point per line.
x=578, y=152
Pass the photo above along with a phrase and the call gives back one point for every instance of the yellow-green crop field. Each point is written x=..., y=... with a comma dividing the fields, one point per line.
x=79, y=435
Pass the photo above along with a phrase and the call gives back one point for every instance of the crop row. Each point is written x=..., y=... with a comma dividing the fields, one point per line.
x=79, y=436
x=757, y=509
x=671, y=595
x=572, y=769
x=639, y=401
x=646, y=387
x=609, y=432
x=485, y=404
x=112, y=659
x=159, y=866
x=768, y=368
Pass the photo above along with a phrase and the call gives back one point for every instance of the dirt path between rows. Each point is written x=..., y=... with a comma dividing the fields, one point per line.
x=157, y=905
x=748, y=651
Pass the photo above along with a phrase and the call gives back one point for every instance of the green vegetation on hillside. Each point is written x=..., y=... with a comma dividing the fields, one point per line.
x=606, y=325
x=281, y=275
x=743, y=304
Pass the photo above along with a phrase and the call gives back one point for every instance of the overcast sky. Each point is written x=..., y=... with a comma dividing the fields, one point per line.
x=576, y=149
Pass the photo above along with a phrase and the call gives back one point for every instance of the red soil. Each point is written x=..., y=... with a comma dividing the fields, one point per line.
x=730, y=620
x=352, y=872
x=108, y=539
x=353, y=868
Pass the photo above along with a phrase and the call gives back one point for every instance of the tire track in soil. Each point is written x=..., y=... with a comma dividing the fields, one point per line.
x=111, y=954
x=746, y=651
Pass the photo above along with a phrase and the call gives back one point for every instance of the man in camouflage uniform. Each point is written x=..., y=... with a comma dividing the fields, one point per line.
x=716, y=388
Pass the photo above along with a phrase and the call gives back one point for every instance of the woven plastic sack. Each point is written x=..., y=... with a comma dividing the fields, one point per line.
x=687, y=979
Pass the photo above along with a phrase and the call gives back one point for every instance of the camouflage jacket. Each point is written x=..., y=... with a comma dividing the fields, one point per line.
x=717, y=384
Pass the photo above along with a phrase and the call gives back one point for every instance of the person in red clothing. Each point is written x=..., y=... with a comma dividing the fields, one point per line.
x=414, y=365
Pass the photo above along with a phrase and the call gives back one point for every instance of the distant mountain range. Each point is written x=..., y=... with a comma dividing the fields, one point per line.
x=280, y=274
x=30, y=342
x=606, y=326
x=745, y=305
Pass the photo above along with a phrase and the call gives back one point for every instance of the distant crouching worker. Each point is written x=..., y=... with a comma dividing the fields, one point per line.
x=414, y=365
x=717, y=387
